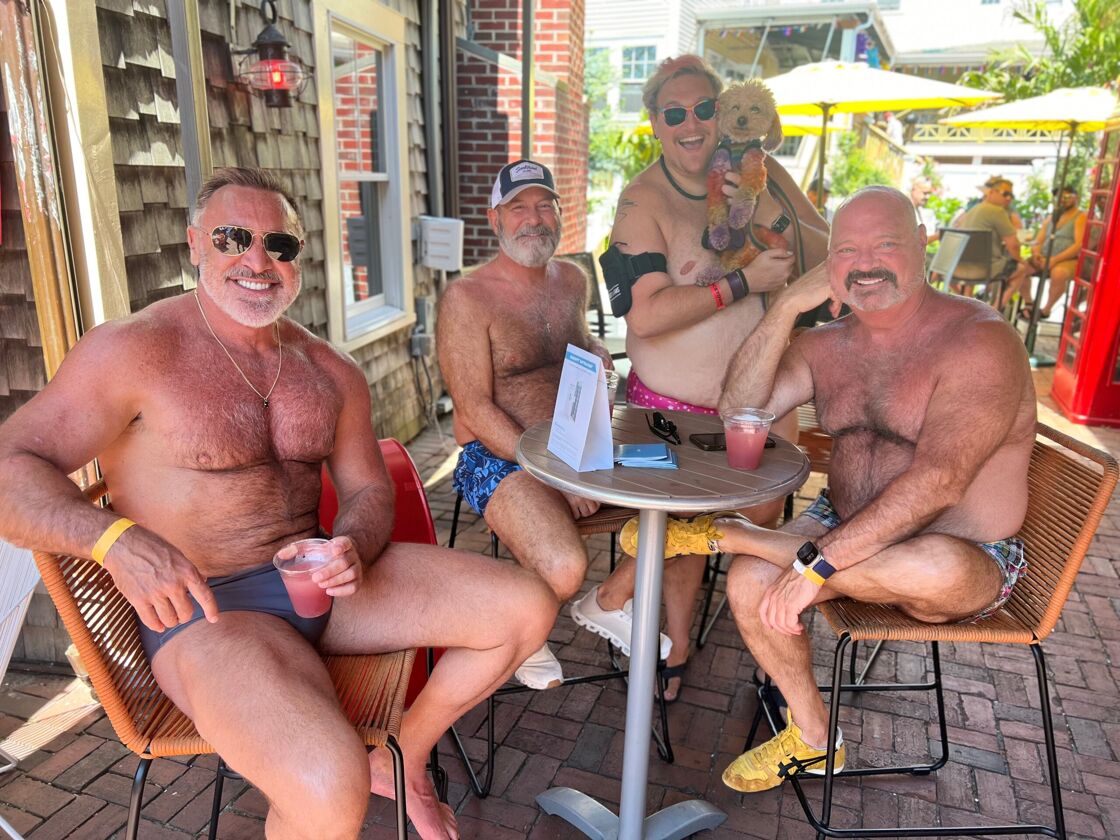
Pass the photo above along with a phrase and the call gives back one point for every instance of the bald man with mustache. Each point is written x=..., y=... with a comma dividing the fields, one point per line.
x=931, y=406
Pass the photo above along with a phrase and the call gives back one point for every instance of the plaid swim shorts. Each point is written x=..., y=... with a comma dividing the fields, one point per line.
x=1009, y=554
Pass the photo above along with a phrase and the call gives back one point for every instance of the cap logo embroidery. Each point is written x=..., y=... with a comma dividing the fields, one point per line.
x=525, y=170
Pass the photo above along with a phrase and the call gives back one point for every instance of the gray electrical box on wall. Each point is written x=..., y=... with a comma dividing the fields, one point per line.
x=441, y=243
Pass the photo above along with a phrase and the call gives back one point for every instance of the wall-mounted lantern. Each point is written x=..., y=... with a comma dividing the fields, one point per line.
x=267, y=67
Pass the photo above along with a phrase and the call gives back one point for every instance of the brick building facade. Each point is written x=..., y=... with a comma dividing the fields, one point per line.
x=490, y=112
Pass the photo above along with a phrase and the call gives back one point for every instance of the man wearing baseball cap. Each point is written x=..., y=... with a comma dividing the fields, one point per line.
x=501, y=337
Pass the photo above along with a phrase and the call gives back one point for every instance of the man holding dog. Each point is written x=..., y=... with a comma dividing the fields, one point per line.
x=211, y=415
x=931, y=405
x=687, y=317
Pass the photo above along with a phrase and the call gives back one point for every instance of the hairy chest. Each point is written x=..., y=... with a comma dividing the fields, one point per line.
x=206, y=417
x=530, y=333
x=884, y=396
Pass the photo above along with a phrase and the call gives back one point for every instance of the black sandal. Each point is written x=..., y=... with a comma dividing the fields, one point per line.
x=673, y=672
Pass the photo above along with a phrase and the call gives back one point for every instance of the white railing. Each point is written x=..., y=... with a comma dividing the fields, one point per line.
x=933, y=133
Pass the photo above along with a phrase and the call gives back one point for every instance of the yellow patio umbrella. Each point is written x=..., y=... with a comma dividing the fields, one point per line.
x=840, y=87
x=1071, y=110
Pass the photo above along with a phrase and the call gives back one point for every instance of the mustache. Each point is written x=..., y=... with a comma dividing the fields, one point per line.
x=535, y=230
x=873, y=274
x=248, y=274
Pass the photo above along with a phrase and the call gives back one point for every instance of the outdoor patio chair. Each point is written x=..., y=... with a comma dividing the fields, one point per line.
x=371, y=689
x=973, y=270
x=951, y=247
x=1069, y=484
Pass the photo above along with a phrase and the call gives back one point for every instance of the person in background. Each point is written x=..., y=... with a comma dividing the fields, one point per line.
x=992, y=215
x=1068, y=232
x=921, y=188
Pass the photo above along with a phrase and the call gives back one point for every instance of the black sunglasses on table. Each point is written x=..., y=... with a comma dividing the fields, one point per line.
x=232, y=240
x=663, y=427
x=703, y=110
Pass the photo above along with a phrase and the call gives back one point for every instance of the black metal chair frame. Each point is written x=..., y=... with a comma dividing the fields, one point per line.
x=481, y=788
x=768, y=706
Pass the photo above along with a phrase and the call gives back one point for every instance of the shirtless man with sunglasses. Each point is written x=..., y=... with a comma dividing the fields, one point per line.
x=211, y=415
x=678, y=341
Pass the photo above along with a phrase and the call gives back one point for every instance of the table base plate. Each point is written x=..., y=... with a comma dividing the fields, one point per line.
x=680, y=820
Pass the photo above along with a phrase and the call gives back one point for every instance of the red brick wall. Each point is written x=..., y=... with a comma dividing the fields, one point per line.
x=490, y=115
x=355, y=102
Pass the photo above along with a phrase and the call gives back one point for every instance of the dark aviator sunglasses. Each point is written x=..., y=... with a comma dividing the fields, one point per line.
x=232, y=240
x=663, y=427
x=703, y=110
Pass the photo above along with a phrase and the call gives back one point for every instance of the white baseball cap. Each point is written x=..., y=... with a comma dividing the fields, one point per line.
x=518, y=176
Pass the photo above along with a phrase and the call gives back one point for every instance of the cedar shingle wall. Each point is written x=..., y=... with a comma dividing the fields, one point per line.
x=21, y=353
x=151, y=187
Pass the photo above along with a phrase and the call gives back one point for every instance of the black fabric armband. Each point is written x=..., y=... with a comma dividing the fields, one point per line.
x=621, y=271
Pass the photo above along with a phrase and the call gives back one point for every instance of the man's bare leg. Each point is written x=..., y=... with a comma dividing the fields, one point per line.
x=932, y=577
x=489, y=614
x=536, y=524
x=258, y=692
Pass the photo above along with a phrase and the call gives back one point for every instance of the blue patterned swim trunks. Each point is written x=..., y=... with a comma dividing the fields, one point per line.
x=478, y=474
x=1009, y=554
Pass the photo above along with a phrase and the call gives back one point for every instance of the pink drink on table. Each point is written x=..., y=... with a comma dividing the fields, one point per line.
x=309, y=600
x=746, y=430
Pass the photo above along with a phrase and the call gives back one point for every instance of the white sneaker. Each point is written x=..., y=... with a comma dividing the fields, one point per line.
x=540, y=671
x=612, y=625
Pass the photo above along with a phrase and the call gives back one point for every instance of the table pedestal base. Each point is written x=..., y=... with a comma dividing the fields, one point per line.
x=596, y=821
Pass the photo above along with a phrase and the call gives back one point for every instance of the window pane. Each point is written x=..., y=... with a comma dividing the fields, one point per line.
x=638, y=63
x=358, y=95
x=1088, y=267
x=1069, y=356
x=630, y=102
x=361, y=239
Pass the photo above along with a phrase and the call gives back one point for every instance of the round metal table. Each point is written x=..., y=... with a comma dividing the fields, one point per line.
x=703, y=483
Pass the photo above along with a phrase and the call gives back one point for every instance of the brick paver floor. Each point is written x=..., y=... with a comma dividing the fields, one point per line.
x=76, y=783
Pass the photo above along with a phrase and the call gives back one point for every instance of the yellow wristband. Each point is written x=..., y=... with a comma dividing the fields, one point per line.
x=813, y=576
x=110, y=536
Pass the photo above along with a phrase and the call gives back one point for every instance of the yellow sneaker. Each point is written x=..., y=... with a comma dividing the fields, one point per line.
x=770, y=764
x=697, y=535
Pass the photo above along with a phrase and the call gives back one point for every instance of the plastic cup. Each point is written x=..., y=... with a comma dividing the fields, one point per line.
x=309, y=600
x=612, y=388
x=746, y=430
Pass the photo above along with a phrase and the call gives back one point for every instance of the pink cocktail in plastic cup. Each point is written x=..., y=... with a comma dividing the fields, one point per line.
x=309, y=600
x=746, y=430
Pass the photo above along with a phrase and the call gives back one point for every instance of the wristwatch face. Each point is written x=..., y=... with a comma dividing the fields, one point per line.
x=807, y=552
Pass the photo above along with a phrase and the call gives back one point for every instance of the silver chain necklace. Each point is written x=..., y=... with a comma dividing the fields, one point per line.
x=279, y=348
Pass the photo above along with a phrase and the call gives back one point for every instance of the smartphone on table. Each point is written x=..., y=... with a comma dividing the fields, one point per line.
x=717, y=441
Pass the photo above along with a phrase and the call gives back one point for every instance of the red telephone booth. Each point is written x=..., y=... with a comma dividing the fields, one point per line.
x=1087, y=376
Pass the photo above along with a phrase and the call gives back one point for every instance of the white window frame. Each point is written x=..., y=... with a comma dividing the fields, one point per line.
x=355, y=325
x=639, y=77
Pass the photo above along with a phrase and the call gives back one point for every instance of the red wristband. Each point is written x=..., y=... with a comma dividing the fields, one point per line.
x=718, y=297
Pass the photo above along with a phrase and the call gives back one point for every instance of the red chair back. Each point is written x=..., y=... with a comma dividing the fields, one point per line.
x=413, y=523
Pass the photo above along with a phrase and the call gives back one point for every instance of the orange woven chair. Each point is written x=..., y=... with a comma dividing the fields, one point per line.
x=371, y=689
x=1069, y=484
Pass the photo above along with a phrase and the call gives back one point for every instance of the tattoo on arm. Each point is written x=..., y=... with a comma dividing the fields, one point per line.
x=624, y=205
